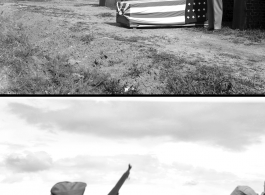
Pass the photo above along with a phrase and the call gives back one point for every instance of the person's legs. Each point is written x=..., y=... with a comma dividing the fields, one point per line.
x=115, y=190
x=218, y=13
x=210, y=14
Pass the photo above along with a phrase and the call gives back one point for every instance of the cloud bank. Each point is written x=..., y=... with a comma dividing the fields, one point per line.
x=230, y=125
x=28, y=162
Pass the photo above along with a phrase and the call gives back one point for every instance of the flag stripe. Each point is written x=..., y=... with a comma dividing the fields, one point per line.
x=156, y=3
x=164, y=15
x=169, y=20
x=144, y=10
x=148, y=1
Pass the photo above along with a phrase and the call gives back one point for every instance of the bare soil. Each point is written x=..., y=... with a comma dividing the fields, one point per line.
x=89, y=35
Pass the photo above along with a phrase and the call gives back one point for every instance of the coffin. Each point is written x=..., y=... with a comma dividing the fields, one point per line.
x=151, y=13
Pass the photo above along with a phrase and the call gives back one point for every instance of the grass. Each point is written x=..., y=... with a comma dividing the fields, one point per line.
x=210, y=80
x=30, y=71
x=135, y=71
x=51, y=11
x=33, y=0
x=229, y=55
x=79, y=26
x=57, y=76
x=81, y=4
x=87, y=38
x=202, y=79
x=128, y=39
x=105, y=15
x=236, y=36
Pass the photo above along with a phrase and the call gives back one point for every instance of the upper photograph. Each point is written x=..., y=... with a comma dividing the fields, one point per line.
x=132, y=47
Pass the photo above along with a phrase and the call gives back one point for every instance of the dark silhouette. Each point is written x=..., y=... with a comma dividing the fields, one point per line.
x=78, y=188
x=117, y=187
x=68, y=188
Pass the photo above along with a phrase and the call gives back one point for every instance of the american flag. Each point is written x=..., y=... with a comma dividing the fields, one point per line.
x=163, y=12
x=195, y=11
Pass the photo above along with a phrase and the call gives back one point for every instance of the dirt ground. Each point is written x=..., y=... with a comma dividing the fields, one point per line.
x=90, y=36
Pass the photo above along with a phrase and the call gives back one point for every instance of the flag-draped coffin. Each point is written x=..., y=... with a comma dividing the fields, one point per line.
x=163, y=12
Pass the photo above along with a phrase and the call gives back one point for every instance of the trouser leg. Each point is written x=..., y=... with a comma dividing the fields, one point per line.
x=210, y=14
x=218, y=13
x=118, y=185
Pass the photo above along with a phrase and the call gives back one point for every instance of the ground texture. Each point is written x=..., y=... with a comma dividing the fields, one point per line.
x=168, y=60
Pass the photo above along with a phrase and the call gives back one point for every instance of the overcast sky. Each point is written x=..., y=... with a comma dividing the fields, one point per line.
x=174, y=147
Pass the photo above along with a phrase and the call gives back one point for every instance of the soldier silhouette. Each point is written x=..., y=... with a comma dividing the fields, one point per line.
x=116, y=188
x=78, y=188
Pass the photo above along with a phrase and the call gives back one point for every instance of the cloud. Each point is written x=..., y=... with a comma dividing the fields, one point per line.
x=146, y=169
x=229, y=125
x=191, y=183
x=108, y=169
x=12, y=146
x=83, y=162
x=201, y=174
x=28, y=162
x=143, y=163
x=13, y=178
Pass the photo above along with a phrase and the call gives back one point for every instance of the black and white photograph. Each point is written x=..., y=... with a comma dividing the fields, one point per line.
x=104, y=146
x=132, y=47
